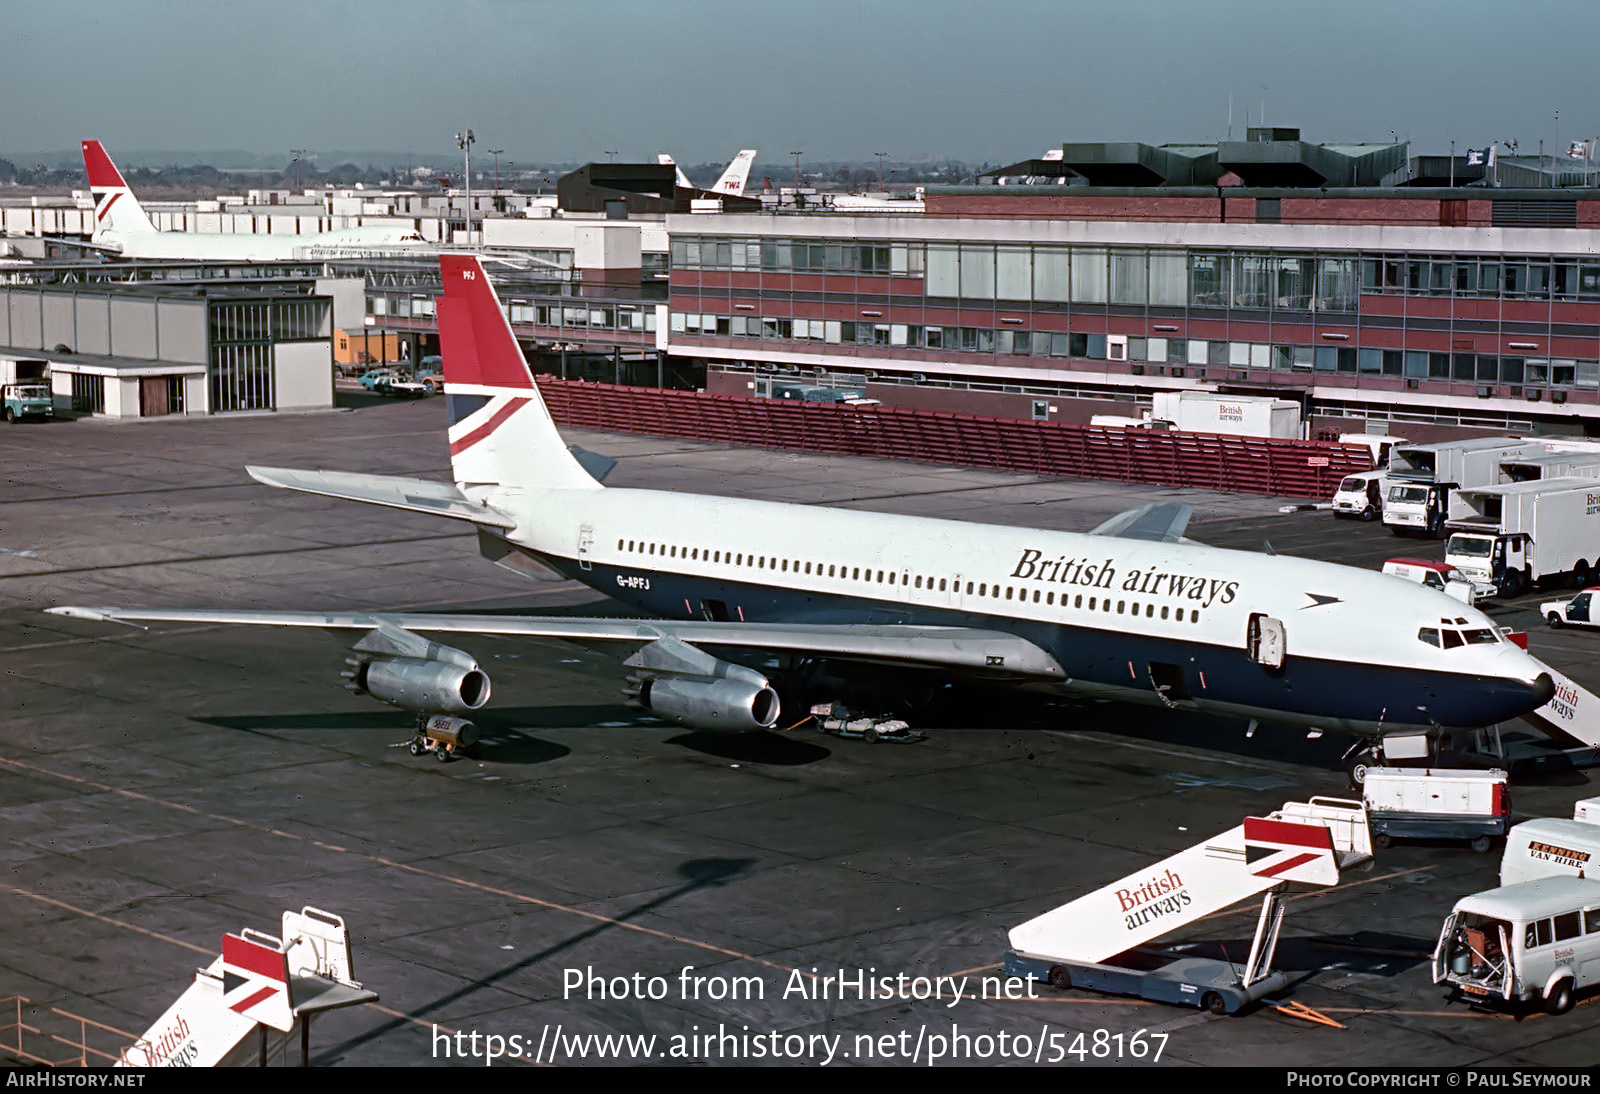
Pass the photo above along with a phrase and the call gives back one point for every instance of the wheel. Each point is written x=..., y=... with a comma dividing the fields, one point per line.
x=1558, y=1000
x=9, y=417
x=1555, y=621
x=1214, y=1003
x=1382, y=840
x=1580, y=575
x=871, y=736
x=1369, y=514
x=416, y=747
x=442, y=754
x=1481, y=844
x=1358, y=770
x=1060, y=977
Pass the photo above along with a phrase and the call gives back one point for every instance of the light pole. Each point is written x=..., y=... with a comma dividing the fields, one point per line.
x=796, y=156
x=880, y=156
x=298, y=152
x=465, y=140
x=611, y=157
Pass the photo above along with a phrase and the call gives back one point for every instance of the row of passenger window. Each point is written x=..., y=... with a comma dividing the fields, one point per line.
x=916, y=581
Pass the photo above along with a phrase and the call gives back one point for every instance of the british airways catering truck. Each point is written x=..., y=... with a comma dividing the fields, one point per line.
x=1521, y=532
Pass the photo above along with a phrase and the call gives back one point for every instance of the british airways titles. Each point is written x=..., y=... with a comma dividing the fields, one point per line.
x=1033, y=566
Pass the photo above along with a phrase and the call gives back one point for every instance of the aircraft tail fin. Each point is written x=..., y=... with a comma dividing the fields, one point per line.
x=500, y=430
x=116, y=210
x=733, y=180
x=683, y=180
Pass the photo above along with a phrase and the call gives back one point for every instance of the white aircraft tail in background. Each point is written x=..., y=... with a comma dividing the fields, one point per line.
x=116, y=210
x=738, y=173
x=733, y=180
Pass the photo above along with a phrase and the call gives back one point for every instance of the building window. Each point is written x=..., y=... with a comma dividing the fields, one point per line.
x=88, y=393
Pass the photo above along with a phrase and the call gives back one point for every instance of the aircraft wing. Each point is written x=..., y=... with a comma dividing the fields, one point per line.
x=442, y=499
x=991, y=652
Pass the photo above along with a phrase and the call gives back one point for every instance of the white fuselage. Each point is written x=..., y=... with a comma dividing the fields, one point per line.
x=1117, y=613
x=205, y=247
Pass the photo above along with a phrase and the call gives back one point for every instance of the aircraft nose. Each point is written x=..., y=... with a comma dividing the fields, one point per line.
x=1544, y=689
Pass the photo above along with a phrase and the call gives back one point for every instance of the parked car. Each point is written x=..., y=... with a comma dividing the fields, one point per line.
x=388, y=381
x=1576, y=612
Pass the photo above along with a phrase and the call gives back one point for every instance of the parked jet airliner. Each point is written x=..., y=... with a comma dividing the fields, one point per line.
x=1130, y=611
x=121, y=225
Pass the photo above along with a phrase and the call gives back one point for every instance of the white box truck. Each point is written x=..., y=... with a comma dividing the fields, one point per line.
x=1423, y=475
x=1237, y=415
x=1521, y=532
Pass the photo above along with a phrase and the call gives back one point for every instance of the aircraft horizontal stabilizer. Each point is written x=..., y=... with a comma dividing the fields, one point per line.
x=1159, y=522
x=442, y=499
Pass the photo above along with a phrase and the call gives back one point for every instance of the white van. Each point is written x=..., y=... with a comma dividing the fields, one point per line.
x=1532, y=941
x=1551, y=847
x=1361, y=495
x=1436, y=575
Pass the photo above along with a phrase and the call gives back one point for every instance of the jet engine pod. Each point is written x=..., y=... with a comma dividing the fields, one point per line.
x=429, y=687
x=727, y=704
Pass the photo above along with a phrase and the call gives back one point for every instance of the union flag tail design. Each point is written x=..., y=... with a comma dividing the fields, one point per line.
x=500, y=430
x=116, y=210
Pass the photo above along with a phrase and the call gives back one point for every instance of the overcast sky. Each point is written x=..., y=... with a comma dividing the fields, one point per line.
x=568, y=80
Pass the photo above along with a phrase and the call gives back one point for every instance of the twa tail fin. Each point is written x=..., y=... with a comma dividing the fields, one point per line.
x=500, y=430
x=733, y=180
x=116, y=210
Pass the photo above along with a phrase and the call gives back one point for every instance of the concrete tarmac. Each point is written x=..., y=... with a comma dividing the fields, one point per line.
x=166, y=786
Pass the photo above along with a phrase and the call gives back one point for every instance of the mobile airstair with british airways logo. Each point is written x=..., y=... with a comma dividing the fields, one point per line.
x=1102, y=940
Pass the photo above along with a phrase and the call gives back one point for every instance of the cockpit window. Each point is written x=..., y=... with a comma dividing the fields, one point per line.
x=1480, y=636
x=1452, y=639
x=1430, y=635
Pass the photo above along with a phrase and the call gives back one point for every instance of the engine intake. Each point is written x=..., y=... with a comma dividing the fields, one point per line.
x=428, y=687
x=726, y=704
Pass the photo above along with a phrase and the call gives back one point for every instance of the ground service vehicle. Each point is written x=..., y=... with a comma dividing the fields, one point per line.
x=1534, y=941
x=1361, y=495
x=1436, y=803
x=1422, y=476
x=1521, y=532
x=1580, y=611
x=1437, y=575
x=25, y=389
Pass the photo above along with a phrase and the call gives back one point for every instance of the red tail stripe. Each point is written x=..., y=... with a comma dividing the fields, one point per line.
x=263, y=994
x=1265, y=830
x=1274, y=871
x=483, y=431
x=102, y=172
x=106, y=208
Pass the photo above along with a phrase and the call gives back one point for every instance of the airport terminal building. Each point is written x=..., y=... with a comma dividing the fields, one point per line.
x=1378, y=290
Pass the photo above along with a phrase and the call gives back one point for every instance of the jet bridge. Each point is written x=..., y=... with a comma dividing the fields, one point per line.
x=1097, y=941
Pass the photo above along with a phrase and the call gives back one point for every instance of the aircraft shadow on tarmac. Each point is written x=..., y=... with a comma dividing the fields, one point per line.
x=498, y=741
x=775, y=749
x=696, y=874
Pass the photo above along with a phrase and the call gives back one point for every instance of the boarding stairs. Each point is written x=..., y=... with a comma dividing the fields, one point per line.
x=1574, y=711
x=247, y=1005
x=1306, y=842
